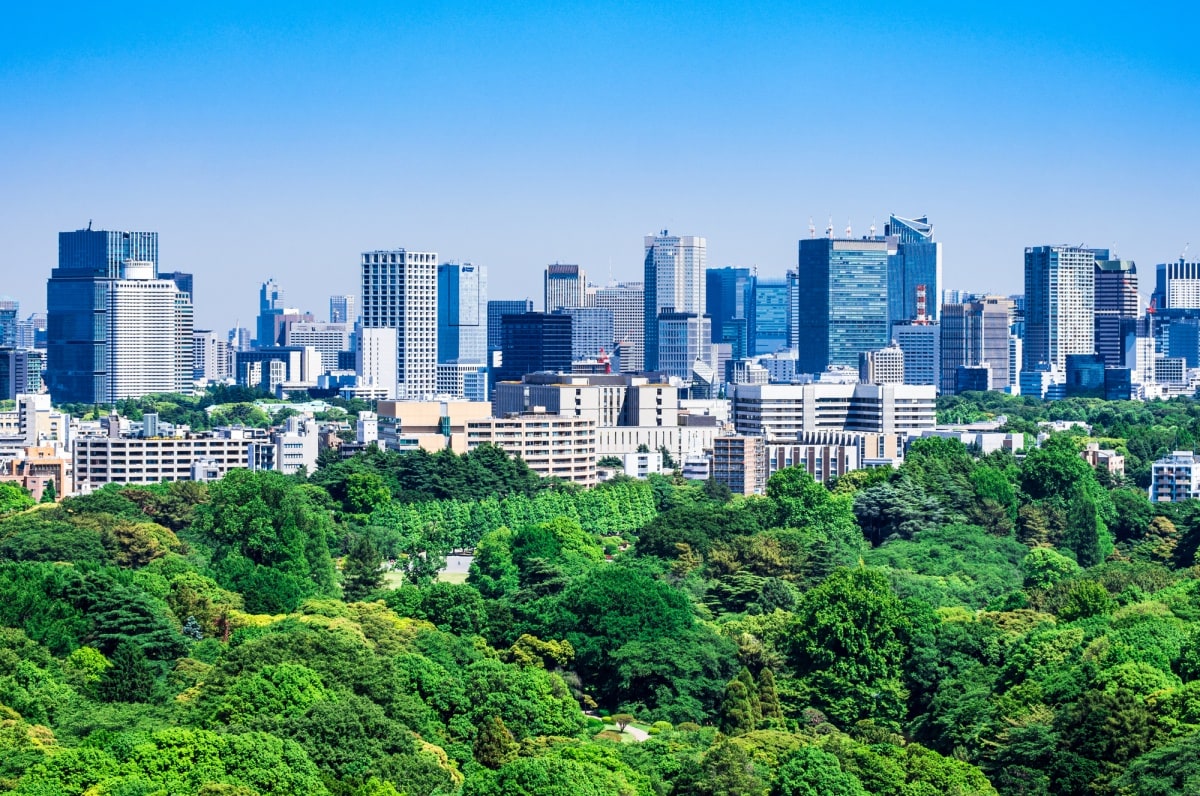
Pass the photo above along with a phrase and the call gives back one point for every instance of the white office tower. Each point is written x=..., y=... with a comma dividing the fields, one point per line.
x=328, y=338
x=685, y=341
x=1060, y=287
x=626, y=300
x=342, y=309
x=565, y=287
x=674, y=283
x=376, y=361
x=211, y=360
x=149, y=335
x=399, y=292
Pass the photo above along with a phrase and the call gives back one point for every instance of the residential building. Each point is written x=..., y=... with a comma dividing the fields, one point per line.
x=973, y=334
x=729, y=301
x=780, y=412
x=565, y=287
x=399, y=291
x=1116, y=309
x=916, y=266
x=1060, y=290
x=100, y=460
x=553, y=446
x=740, y=463
x=842, y=301
x=1175, y=477
x=674, y=283
x=626, y=301
x=826, y=455
x=1110, y=460
x=462, y=313
x=35, y=467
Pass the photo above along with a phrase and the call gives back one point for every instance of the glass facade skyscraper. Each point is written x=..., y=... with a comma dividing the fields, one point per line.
x=916, y=261
x=496, y=310
x=9, y=310
x=674, y=269
x=842, y=301
x=462, y=313
x=770, y=315
x=729, y=298
x=534, y=342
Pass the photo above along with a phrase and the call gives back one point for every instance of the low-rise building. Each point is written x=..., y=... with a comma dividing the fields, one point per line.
x=430, y=425
x=1109, y=460
x=781, y=412
x=825, y=455
x=100, y=460
x=1175, y=477
x=35, y=467
x=552, y=445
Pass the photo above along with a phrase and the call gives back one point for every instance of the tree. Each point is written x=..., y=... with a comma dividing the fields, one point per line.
x=622, y=720
x=49, y=493
x=13, y=498
x=768, y=699
x=1084, y=530
x=494, y=744
x=129, y=678
x=812, y=772
x=737, y=711
x=362, y=571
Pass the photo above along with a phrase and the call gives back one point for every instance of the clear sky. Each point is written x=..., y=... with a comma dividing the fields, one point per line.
x=282, y=141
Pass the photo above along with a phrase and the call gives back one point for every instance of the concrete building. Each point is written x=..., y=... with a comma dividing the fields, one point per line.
x=885, y=366
x=608, y=399
x=1175, y=477
x=1110, y=460
x=626, y=301
x=281, y=367
x=826, y=455
x=429, y=425
x=343, y=309
x=376, y=361
x=565, y=287
x=20, y=372
x=921, y=345
x=974, y=334
x=329, y=339
x=100, y=460
x=296, y=446
x=1060, y=294
x=552, y=445
x=740, y=463
x=674, y=283
x=780, y=412
x=35, y=467
x=212, y=361
x=683, y=339
x=468, y=381
x=399, y=291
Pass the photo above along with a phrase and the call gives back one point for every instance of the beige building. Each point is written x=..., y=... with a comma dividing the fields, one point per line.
x=740, y=463
x=826, y=455
x=431, y=425
x=610, y=399
x=36, y=466
x=134, y=460
x=552, y=446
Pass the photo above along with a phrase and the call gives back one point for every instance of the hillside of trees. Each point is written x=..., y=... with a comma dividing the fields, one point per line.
x=964, y=624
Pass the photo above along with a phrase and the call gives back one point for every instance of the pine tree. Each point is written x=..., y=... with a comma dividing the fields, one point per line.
x=768, y=699
x=361, y=573
x=494, y=745
x=129, y=678
x=49, y=493
x=737, y=711
x=751, y=693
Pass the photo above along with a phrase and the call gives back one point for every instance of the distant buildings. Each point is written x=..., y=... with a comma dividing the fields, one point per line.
x=496, y=310
x=885, y=366
x=462, y=313
x=1060, y=289
x=626, y=301
x=772, y=314
x=565, y=287
x=780, y=412
x=916, y=263
x=342, y=309
x=533, y=342
x=1116, y=310
x=399, y=291
x=730, y=304
x=974, y=335
x=554, y=446
x=842, y=301
x=1175, y=477
x=674, y=283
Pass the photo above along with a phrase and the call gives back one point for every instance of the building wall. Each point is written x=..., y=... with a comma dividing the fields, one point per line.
x=399, y=290
x=842, y=300
x=552, y=446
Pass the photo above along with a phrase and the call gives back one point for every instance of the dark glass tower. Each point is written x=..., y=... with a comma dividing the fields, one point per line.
x=730, y=302
x=841, y=301
x=916, y=261
x=462, y=313
x=533, y=342
x=770, y=315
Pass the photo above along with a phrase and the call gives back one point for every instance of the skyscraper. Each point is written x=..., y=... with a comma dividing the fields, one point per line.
x=674, y=268
x=916, y=261
x=1116, y=309
x=683, y=339
x=1060, y=288
x=842, y=301
x=462, y=313
x=342, y=309
x=565, y=286
x=10, y=309
x=975, y=334
x=184, y=281
x=729, y=297
x=270, y=307
x=114, y=329
x=591, y=332
x=626, y=300
x=399, y=291
x=533, y=342
x=496, y=310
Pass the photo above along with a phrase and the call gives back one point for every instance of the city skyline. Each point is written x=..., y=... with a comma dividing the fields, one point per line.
x=251, y=151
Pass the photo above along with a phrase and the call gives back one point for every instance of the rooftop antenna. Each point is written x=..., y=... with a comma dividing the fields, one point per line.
x=1182, y=254
x=812, y=231
x=849, y=232
x=829, y=229
x=872, y=227
x=89, y=225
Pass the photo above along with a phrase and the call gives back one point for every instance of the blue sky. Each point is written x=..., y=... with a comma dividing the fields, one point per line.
x=284, y=140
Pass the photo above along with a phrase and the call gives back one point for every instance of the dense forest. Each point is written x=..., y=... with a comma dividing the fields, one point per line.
x=963, y=624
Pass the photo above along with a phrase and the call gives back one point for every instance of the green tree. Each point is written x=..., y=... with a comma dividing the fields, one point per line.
x=812, y=772
x=362, y=571
x=1085, y=533
x=494, y=744
x=768, y=698
x=13, y=498
x=129, y=678
x=49, y=493
x=737, y=711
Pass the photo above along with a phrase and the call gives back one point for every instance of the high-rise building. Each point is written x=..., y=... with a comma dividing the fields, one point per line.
x=240, y=340
x=462, y=313
x=771, y=315
x=376, y=360
x=496, y=310
x=329, y=339
x=729, y=297
x=1060, y=287
x=626, y=300
x=270, y=306
x=534, y=342
x=211, y=358
x=565, y=287
x=683, y=339
x=20, y=372
x=114, y=329
x=917, y=261
x=31, y=332
x=399, y=291
x=674, y=283
x=885, y=366
x=10, y=309
x=842, y=301
x=184, y=281
x=1116, y=308
x=975, y=334
x=343, y=309
x=1177, y=285
x=591, y=332
x=921, y=344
